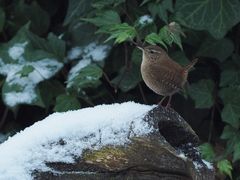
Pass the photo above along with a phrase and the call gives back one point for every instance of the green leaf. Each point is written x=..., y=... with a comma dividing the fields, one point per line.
x=225, y=167
x=52, y=45
x=219, y=49
x=161, y=9
x=66, y=102
x=231, y=110
x=215, y=16
x=207, y=151
x=231, y=115
x=230, y=95
x=2, y=19
x=202, y=93
x=39, y=18
x=229, y=132
x=171, y=34
x=236, y=154
x=230, y=77
x=154, y=39
x=49, y=90
x=122, y=32
x=84, y=75
x=26, y=70
x=105, y=19
x=76, y=10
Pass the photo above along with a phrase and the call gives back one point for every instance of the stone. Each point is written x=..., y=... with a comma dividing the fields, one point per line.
x=169, y=152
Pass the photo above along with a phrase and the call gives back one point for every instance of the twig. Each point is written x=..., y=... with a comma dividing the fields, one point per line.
x=4, y=117
x=211, y=124
x=142, y=93
x=127, y=66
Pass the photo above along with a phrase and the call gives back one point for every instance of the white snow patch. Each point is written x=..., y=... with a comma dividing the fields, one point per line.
x=146, y=19
x=197, y=165
x=93, y=51
x=182, y=156
x=29, y=149
x=208, y=164
x=74, y=53
x=17, y=50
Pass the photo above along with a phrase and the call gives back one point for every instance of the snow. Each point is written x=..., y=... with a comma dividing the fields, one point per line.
x=74, y=53
x=198, y=165
x=29, y=149
x=208, y=164
x=17, y=50
x=182, y=156
x=92, y=51
x=25, y=91
x=76, y=69
x=145, y=19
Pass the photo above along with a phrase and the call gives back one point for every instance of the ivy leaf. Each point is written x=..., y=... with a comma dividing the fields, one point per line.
x=207, y=151
x=231, y=115
x=229, y=132
x=66, y=102
x=219, y=49
x=84, y=75
x=230, y=77
x=231, y=110
x=49, y=90
x=161, y=9
x=225, y=167
x=52, y=45
x=39, y=18
x=215, y=16
x=76, y=9
x=202, y=93
x=26, y=70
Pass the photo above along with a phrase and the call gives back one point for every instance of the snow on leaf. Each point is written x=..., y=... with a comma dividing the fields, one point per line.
x=17, y=50
x=24, y=66
x=145, y=19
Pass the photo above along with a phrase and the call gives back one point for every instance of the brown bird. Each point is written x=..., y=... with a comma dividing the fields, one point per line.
x=161, y=74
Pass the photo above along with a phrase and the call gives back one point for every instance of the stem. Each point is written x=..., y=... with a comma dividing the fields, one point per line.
x=142, y=93
x=4, y=117
x=211, y=124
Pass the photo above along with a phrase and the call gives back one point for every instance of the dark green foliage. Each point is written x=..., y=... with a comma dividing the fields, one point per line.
x=67, y=54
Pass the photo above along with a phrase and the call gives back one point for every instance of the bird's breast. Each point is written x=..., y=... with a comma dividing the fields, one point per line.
x=162, y=80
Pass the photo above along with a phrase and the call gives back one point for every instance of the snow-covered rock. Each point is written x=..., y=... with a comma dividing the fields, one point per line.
x=105, y=138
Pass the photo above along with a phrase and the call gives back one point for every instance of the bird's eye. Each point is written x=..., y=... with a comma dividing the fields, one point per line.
x=151, y=51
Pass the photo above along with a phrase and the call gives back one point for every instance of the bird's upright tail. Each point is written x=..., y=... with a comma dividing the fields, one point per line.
x=190, y=65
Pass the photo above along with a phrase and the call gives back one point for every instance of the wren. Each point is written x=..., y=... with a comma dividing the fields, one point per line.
x=161, y=74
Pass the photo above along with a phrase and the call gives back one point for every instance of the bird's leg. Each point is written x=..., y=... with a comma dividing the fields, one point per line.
x=169, y=101
x=160, y=103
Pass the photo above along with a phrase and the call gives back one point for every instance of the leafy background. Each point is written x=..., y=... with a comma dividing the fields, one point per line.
x=74, y=53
